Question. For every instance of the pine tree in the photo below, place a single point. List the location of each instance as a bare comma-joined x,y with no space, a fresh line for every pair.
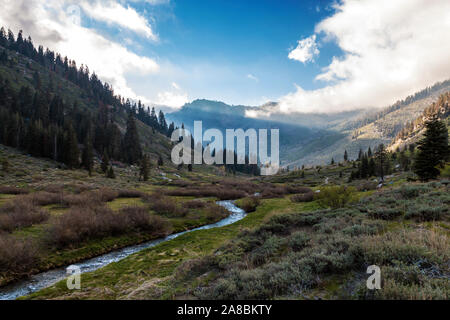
364,173
433,150
162,122
105,162
369,153
372,167
360,154
111,174
88,155
131,142
71,151
381,157
345,155
332,161
160,161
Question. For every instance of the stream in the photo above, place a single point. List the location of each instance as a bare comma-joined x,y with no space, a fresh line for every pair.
46,279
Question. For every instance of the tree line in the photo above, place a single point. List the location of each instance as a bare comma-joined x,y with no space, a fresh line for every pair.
37,119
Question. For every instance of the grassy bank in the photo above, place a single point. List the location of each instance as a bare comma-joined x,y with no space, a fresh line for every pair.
294,250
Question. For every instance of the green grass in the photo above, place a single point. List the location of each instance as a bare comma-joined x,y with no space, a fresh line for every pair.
161,261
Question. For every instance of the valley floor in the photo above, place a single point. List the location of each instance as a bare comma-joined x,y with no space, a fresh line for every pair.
295,243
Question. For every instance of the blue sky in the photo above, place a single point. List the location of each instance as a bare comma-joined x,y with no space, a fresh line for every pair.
307,55
234,51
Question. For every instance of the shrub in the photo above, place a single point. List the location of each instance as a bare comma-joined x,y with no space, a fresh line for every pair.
123,193
167,207
208,191
367,186
44,198
413,191
426,213
215,212
17,256
12,190
19,214
270,247
249,204
194,204
364,229
83,223
299,240
385,213
336,197
305,197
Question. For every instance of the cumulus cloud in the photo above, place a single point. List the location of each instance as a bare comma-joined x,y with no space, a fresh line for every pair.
391,49
172,99
306,50
54,24
114,13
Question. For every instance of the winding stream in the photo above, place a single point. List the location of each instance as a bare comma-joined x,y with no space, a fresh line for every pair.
45,279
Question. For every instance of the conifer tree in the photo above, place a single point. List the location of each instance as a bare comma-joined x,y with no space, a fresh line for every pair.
131,143
111,174
345,155
105,162
381,157
71,151
88,155
433,150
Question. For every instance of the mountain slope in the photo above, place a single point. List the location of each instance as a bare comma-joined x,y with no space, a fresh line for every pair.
368,130
414,130
18,71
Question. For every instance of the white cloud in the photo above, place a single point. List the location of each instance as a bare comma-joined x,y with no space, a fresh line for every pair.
306,50
172,99
50,24
252,77
112,12
391,49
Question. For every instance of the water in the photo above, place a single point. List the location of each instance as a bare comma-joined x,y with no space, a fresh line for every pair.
48,278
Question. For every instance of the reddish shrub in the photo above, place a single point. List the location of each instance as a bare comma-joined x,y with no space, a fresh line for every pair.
194,204
83,223
12,190
21,213
17,256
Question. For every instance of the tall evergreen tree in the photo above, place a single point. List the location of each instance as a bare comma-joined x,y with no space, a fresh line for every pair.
345,155
105,162
381,157
131,142
433,150
71,151
88,155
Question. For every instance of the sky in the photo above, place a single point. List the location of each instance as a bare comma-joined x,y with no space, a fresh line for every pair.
310,56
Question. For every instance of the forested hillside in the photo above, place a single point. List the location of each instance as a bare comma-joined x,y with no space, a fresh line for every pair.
412,131
51,108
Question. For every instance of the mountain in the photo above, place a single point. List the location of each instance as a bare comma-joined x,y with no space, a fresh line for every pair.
219,115
44,97
307,139
413,131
